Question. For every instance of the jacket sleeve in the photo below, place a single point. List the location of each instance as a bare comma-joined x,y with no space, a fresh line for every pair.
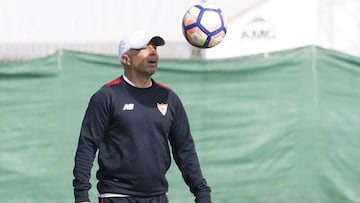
185,156
92,129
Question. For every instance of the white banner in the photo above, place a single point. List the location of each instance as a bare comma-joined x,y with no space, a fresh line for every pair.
282,24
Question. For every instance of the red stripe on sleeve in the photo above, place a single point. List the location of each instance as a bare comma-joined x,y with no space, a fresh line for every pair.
114,82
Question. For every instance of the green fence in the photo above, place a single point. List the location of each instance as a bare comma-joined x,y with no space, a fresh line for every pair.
282,127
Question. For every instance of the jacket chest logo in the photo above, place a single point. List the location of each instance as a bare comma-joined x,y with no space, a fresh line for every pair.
128,107
162,108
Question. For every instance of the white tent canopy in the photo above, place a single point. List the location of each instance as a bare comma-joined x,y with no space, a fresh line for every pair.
36,28
30,29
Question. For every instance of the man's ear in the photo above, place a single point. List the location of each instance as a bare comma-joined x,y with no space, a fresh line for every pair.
125,60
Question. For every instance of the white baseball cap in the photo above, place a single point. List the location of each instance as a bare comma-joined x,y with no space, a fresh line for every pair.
138,40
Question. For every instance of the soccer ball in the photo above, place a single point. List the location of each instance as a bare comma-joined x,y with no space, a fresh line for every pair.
204,26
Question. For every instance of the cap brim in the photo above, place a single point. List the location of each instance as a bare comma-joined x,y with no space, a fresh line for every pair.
157,41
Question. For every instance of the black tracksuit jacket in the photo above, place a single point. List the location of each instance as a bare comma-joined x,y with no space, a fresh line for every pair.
131,128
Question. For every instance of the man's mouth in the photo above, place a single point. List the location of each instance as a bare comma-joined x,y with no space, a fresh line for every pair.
152,61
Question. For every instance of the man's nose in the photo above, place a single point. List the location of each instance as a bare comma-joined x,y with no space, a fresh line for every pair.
152,48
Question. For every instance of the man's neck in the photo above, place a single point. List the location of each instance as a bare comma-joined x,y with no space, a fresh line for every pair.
138,83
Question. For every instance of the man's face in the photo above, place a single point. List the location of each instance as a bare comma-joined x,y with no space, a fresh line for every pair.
143,61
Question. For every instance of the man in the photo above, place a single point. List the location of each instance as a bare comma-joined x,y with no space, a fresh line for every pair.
131,121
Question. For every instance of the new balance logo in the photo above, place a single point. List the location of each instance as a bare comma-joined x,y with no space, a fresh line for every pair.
128,107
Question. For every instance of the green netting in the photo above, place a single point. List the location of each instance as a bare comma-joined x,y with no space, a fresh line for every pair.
281,127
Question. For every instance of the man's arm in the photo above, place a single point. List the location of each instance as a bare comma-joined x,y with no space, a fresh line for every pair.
184,153
92,130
